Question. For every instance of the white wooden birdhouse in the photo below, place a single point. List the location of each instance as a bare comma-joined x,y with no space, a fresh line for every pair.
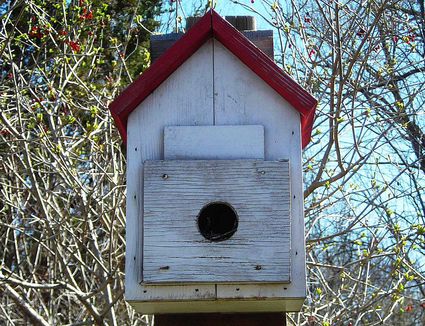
214,132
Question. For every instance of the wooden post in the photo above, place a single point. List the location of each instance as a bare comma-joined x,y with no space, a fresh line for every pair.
191,20
258,319
242,23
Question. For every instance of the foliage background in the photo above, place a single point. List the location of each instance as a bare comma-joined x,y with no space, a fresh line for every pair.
62,165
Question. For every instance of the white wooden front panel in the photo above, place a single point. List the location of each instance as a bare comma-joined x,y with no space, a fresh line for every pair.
212,87
213,142
174,249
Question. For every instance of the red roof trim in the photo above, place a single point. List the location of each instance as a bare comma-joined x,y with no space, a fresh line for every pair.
213,25
163,67
267,70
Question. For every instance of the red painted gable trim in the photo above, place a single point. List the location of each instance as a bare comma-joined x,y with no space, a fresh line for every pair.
159,71
267,70
212,25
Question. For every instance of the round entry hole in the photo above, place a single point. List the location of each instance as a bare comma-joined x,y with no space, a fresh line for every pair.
217,221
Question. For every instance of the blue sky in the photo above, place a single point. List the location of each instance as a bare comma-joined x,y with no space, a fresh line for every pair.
223,7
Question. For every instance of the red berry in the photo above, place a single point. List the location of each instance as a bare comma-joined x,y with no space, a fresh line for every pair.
4,132
74,46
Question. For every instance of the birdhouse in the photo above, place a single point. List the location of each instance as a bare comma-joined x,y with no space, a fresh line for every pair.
214,132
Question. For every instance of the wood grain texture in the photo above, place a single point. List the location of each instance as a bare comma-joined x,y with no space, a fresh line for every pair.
222,306
182,292
174,249
214,142
167,105
236,104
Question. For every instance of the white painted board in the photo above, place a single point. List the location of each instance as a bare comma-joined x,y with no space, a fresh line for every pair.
175,250
224,306
213,142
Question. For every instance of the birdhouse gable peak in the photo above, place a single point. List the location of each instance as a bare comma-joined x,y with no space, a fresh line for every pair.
212,25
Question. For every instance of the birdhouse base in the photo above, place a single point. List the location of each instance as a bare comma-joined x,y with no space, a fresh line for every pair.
222,306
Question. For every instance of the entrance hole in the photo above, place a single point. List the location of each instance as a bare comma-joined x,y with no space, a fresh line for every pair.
217,221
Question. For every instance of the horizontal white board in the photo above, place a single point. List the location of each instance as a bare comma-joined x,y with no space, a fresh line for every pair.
223,306
174,249
213,142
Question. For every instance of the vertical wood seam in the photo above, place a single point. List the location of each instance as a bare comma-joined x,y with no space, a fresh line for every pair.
213,77
141,215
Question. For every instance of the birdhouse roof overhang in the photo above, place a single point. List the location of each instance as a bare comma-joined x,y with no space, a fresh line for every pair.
212,25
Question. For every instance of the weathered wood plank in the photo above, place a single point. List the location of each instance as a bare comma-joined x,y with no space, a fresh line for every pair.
175,192
181,292
161,43
214,142
223,306
242,23
263,40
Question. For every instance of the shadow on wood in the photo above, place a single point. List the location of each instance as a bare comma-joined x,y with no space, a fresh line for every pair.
266,319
